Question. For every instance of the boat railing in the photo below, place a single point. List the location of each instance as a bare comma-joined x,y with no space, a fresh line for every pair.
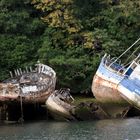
119,68
131,68
116,67
138,59
40,68
19,72
113,64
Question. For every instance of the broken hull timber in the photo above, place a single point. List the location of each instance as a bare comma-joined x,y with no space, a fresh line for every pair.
59,109
26,99
105,89
33,86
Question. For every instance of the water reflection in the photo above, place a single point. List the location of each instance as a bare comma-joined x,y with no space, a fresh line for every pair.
95,130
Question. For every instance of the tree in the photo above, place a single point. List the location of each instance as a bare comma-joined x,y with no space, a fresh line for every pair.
20,31
71,35
81,31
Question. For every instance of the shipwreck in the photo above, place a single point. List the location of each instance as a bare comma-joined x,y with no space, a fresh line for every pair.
59,103
30,85
117,86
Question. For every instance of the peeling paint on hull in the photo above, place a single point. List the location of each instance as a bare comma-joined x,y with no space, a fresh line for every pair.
33,86
59,104
117,86
109,97
13,96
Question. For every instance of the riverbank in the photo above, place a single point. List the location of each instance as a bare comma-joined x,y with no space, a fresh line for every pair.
88,108
85,109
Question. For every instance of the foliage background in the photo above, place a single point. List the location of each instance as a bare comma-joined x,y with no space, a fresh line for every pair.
69,35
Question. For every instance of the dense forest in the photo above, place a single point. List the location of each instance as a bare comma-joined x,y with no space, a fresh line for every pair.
71,36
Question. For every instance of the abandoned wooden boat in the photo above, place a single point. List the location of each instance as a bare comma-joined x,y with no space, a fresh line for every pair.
30,85
117,87
59,104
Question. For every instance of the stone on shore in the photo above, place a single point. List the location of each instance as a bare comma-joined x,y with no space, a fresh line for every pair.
88,110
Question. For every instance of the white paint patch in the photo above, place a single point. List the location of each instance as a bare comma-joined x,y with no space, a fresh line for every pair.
108,75
137,91
56,107
29,89
135,76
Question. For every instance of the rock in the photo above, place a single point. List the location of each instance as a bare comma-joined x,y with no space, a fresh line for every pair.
88,111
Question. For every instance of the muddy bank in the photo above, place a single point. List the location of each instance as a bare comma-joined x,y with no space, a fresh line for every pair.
87,108
15,113
90,109
84,108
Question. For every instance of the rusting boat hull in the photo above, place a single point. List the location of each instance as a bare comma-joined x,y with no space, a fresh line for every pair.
59,105
11,96
109,97
117,87
8,92
36,99
33,86
105,89
57,110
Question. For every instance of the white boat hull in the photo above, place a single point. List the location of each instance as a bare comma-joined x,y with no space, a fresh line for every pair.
59,108
105,89
130,92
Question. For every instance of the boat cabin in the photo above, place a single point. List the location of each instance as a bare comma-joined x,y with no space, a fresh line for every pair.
133,71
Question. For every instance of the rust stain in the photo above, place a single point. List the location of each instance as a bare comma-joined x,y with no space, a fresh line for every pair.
33,86
109,97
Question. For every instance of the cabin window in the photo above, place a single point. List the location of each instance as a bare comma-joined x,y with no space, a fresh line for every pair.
128,73
131,68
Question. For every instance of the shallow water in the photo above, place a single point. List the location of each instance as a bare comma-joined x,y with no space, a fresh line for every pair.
127,129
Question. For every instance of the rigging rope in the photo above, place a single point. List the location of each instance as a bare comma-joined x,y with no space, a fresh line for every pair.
131,55
125,52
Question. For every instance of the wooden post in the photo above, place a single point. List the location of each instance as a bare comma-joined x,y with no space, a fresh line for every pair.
20,71
31,69
11,74
27,69
15,72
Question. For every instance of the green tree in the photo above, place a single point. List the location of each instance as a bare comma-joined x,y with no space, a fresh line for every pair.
69,35
81,31
20,31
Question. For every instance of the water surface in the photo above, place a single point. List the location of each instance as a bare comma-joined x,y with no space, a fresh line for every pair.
127,129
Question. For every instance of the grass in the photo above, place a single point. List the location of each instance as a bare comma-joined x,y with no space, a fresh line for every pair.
79,99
